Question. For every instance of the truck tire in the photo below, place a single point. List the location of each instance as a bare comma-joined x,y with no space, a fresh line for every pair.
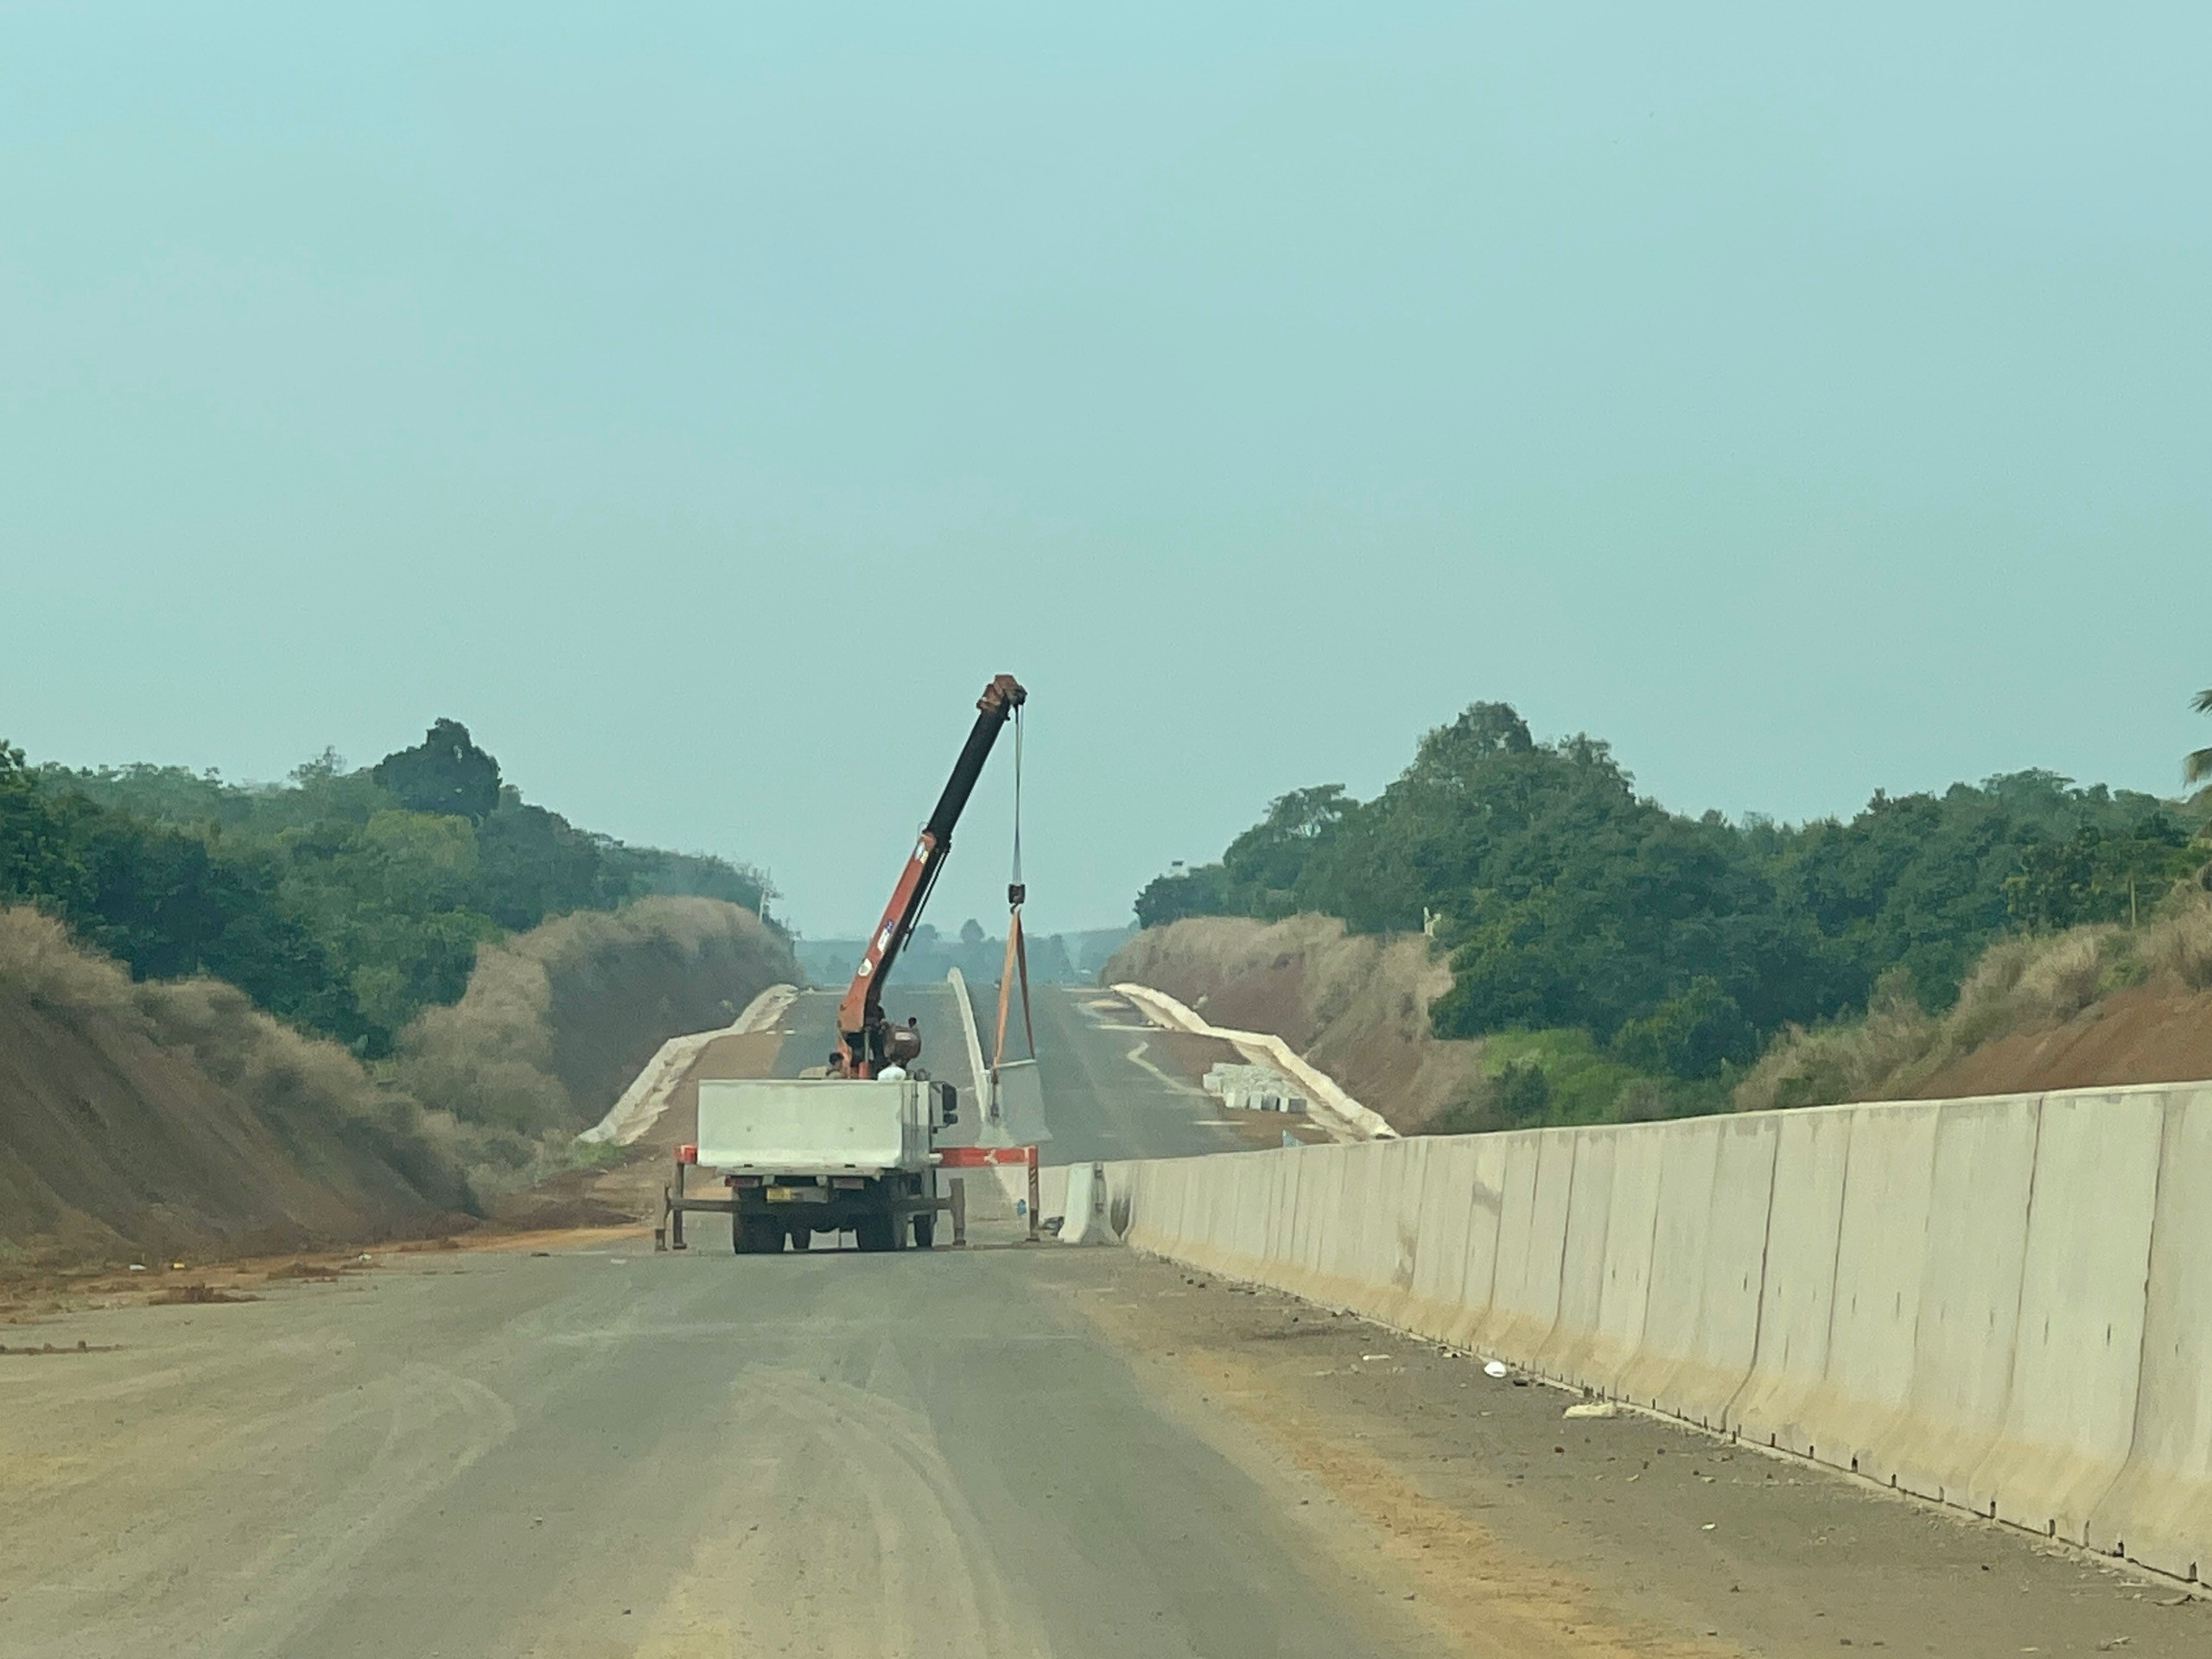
801,1236
924,1231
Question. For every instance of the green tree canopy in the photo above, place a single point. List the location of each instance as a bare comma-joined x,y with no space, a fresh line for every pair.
446,772
2196,764
330,899
1566,900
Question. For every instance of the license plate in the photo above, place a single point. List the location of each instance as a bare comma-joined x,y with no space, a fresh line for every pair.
797,1195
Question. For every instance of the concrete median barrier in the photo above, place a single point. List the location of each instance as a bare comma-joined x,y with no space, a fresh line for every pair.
1582,1258
1688,1163
1624,1298
1996,1303
1796,1297
1443,1242
1964,1335
1084,1218
1881,1248
2160,1509
1485,1224
1516,1208
1715,1361
2068,1412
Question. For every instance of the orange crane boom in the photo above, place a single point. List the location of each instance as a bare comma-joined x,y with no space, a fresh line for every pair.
869,1041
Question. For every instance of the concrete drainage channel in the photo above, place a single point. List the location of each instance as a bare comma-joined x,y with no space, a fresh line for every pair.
1993,1304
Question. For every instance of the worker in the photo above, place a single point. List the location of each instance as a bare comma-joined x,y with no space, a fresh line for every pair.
891,1072
836,1067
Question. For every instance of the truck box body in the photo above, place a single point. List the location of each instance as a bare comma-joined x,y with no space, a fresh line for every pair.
813,1126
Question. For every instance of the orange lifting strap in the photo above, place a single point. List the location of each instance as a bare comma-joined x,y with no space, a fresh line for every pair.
1017,951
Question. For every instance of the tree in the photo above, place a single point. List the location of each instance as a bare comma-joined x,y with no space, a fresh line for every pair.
1263,865
1691,1035
446,774
2196,765
39,859
1170,898
972,931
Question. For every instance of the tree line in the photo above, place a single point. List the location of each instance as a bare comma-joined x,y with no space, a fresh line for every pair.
1678,945
344,900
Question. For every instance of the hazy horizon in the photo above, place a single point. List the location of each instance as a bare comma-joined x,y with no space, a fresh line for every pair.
702,406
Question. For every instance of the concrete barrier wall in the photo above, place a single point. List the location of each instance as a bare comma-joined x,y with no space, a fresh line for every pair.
2004,1304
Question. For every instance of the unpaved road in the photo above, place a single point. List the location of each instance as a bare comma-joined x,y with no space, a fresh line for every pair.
601,1451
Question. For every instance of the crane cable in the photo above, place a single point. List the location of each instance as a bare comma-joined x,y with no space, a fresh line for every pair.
1017,949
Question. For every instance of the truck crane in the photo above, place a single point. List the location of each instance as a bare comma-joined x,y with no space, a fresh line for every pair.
871,1041
853,1151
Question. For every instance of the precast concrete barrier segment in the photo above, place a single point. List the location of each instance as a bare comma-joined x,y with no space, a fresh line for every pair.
1345,1118
648,1095
1999,1303
978,1074
1084,1220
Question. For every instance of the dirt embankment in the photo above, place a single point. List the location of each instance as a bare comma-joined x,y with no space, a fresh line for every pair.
148,1120
557,1021
1355,1004
2098,1006
145,1120
2148,1033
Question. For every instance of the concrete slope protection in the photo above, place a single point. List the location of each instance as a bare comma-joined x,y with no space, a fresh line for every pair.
1356,1004
1344,1117
1995,1303
641,1104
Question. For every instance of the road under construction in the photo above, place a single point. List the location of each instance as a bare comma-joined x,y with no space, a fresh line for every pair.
573,1446
576,1445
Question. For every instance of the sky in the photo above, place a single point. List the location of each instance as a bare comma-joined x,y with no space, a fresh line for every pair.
703,402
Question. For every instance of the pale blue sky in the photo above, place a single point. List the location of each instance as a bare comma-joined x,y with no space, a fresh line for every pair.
702,401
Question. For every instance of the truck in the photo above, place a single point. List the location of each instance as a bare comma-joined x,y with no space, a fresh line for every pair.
852,1151
801,1156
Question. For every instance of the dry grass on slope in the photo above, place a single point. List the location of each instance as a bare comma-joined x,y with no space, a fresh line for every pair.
1356,1004
556,1020
177,1116
2102,1005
